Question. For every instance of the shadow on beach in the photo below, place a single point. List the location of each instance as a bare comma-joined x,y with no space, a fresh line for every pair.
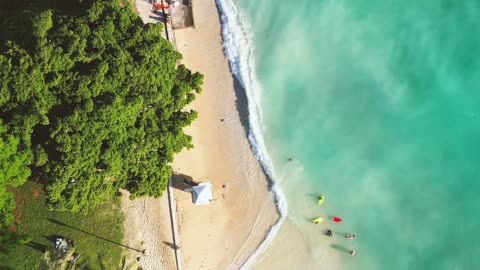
340,248
159,16
241,103
171,245
181,181
314,197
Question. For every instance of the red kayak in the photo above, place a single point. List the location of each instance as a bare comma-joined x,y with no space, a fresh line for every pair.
336,219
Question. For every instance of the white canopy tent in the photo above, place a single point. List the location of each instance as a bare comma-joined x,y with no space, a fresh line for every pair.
202,194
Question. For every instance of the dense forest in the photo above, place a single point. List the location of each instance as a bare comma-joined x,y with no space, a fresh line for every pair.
91,101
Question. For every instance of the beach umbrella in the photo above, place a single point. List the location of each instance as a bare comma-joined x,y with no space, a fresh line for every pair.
202,194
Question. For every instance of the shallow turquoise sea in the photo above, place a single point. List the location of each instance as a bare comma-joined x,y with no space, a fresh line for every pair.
378,103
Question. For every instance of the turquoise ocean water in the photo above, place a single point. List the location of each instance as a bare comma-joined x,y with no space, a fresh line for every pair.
378,103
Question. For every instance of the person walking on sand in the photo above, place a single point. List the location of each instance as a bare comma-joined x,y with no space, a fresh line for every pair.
350,236
329,233
352,252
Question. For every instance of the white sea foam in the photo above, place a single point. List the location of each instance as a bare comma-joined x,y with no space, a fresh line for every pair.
238,48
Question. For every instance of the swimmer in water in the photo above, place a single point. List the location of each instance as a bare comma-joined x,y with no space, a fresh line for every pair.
350,236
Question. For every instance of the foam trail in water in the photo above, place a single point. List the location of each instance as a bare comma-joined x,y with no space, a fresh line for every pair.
238,48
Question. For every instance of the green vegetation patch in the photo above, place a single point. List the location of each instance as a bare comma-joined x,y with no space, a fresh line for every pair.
97,235
95,99
92,100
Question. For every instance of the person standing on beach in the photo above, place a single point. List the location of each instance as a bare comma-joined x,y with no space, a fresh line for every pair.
352,252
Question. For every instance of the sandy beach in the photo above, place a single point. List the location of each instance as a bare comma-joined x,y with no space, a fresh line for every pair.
224,234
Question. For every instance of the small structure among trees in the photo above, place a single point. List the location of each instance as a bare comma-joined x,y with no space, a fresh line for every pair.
62,257
181,12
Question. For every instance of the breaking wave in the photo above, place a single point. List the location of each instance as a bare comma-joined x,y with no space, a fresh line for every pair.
238,48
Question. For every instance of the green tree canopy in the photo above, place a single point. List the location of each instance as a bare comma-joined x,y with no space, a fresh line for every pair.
13,172
99,100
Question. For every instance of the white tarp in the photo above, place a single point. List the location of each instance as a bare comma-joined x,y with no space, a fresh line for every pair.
202,194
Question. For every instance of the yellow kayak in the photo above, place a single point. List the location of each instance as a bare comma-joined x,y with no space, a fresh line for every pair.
321,199
317,220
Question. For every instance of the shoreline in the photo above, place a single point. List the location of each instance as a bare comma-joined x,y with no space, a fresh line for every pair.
220,131
238,48
229,232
